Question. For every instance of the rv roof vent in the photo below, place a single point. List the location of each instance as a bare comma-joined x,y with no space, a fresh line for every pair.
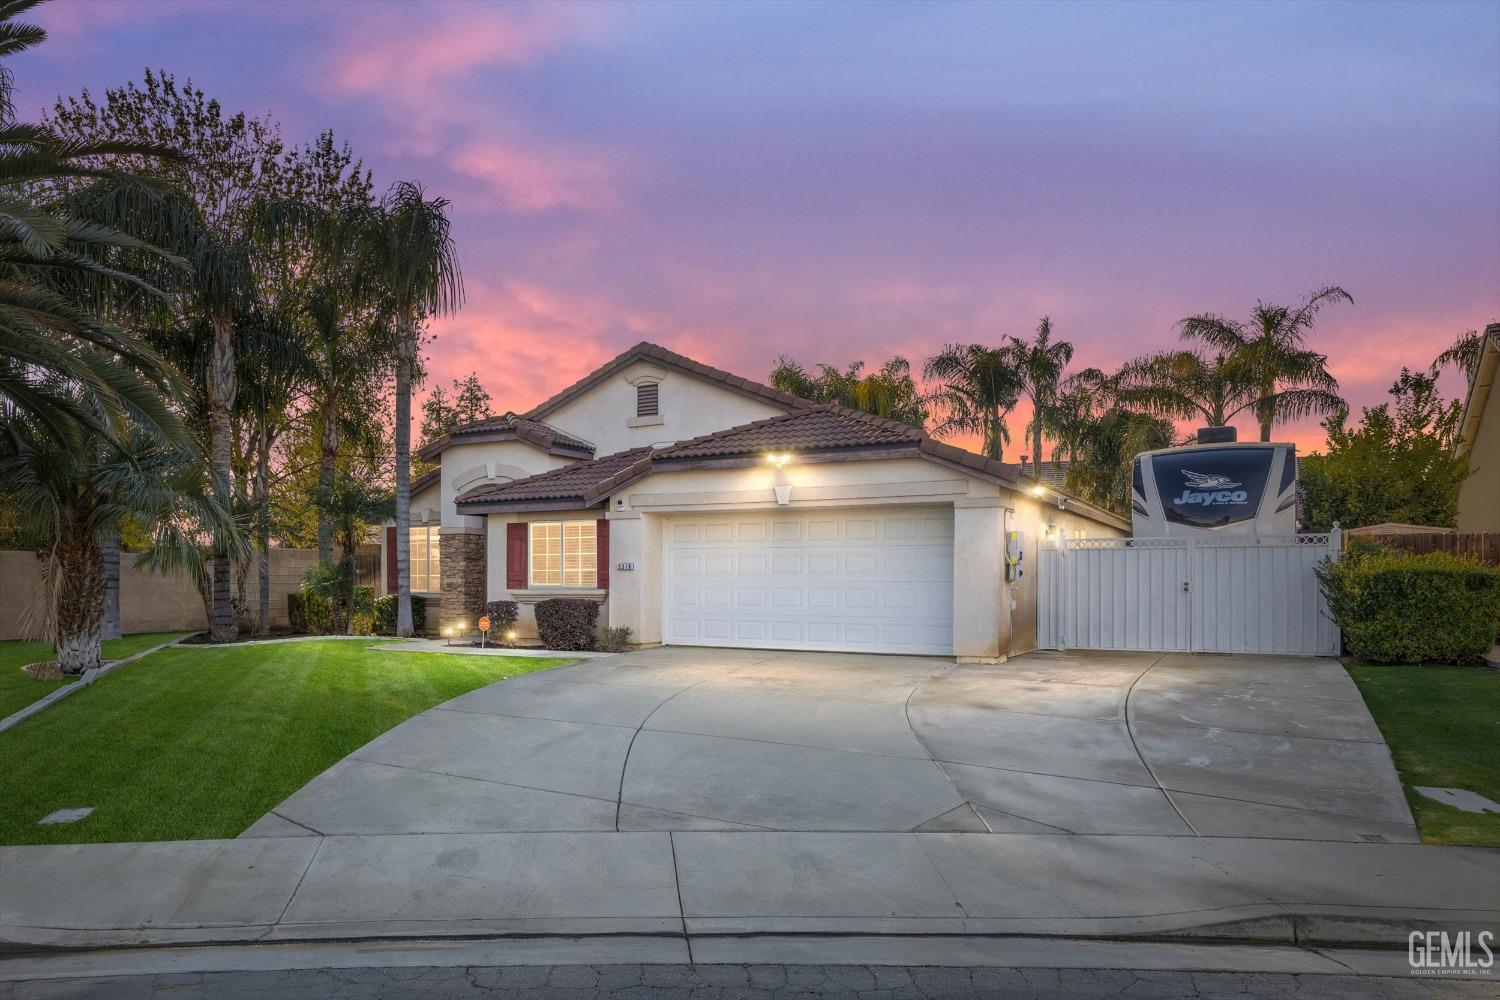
1217,435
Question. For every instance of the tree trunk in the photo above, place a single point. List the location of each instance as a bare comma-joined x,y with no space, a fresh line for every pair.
263,528
406,356
329,445
109,543
1036,451
80,600
222,625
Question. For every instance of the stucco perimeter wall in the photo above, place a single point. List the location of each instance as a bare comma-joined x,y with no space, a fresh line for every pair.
604,415
150,602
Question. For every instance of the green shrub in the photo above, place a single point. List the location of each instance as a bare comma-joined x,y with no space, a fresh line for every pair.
616,640
385,614
567,622
363,623
1403,607
503,616
296,612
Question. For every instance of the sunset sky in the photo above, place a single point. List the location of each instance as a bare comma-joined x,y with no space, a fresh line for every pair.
842,181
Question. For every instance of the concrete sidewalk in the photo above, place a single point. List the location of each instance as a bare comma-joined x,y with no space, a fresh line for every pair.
709,884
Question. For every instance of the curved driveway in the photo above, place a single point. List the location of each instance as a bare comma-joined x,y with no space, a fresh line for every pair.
704,739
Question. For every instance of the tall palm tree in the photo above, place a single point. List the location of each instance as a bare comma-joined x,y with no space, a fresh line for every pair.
416,262
889,392
978,387
1291,381
61,362
1040,364
1189,385
66,493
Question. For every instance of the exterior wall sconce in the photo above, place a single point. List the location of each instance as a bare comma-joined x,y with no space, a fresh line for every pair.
783,489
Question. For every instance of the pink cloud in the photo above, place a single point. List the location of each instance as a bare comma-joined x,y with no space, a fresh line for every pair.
538,179
393,56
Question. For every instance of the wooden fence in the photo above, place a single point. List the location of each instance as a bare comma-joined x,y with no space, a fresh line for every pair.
1484,544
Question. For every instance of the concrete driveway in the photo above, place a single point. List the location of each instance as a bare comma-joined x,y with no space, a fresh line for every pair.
742,740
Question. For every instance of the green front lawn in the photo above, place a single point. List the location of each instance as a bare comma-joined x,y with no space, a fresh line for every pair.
18,690
200,742
1443,727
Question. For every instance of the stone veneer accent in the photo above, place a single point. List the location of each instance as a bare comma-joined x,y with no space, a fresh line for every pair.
464,580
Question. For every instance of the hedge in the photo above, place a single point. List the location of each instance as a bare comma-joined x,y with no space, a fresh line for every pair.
503,616
311,611
385,614
1403,607
567,622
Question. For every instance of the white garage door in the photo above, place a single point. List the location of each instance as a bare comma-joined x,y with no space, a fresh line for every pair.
843,579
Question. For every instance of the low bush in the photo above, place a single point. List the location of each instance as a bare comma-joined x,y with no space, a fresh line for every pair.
1403,607
616,640
363,623
503,616
567,623
296,612
385,614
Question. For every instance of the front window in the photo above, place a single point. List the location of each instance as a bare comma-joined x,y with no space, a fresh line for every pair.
426,576
564,554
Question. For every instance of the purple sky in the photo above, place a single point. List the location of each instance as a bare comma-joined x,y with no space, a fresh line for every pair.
849,181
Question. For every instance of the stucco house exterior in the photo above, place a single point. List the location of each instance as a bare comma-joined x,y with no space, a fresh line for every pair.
1479,439
702,508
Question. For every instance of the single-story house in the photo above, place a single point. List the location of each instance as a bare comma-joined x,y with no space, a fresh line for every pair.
702,508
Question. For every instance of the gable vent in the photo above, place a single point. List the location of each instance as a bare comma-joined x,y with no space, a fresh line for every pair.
647,399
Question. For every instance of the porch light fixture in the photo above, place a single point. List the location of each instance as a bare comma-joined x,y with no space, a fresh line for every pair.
1038,490
779,459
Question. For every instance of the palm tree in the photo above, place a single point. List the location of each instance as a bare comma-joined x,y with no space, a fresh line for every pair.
1040,365
66,493
1463,354
1291,381
61,363
1189,385
890,392
417,264
978,387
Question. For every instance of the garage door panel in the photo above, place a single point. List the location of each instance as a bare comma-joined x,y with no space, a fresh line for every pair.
870,580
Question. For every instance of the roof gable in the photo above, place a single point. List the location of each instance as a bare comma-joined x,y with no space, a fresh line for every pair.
658,355
512,427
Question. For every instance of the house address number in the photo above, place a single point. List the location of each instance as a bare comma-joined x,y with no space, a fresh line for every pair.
625,566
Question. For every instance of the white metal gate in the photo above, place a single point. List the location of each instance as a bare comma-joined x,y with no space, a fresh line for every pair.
1217,594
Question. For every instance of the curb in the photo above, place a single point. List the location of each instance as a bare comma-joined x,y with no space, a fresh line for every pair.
1301,927
88,677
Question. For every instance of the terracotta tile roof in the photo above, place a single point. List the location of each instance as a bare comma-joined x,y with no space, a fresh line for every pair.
512,426
571,482
818,427
1054,473
645,351
425,480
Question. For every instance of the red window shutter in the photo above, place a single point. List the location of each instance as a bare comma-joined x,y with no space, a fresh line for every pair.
515,556
392,581
602,554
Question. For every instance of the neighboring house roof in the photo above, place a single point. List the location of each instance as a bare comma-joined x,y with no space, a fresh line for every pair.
426,479
1054,473
1480,389
818,429
558,489
512,427
645,351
